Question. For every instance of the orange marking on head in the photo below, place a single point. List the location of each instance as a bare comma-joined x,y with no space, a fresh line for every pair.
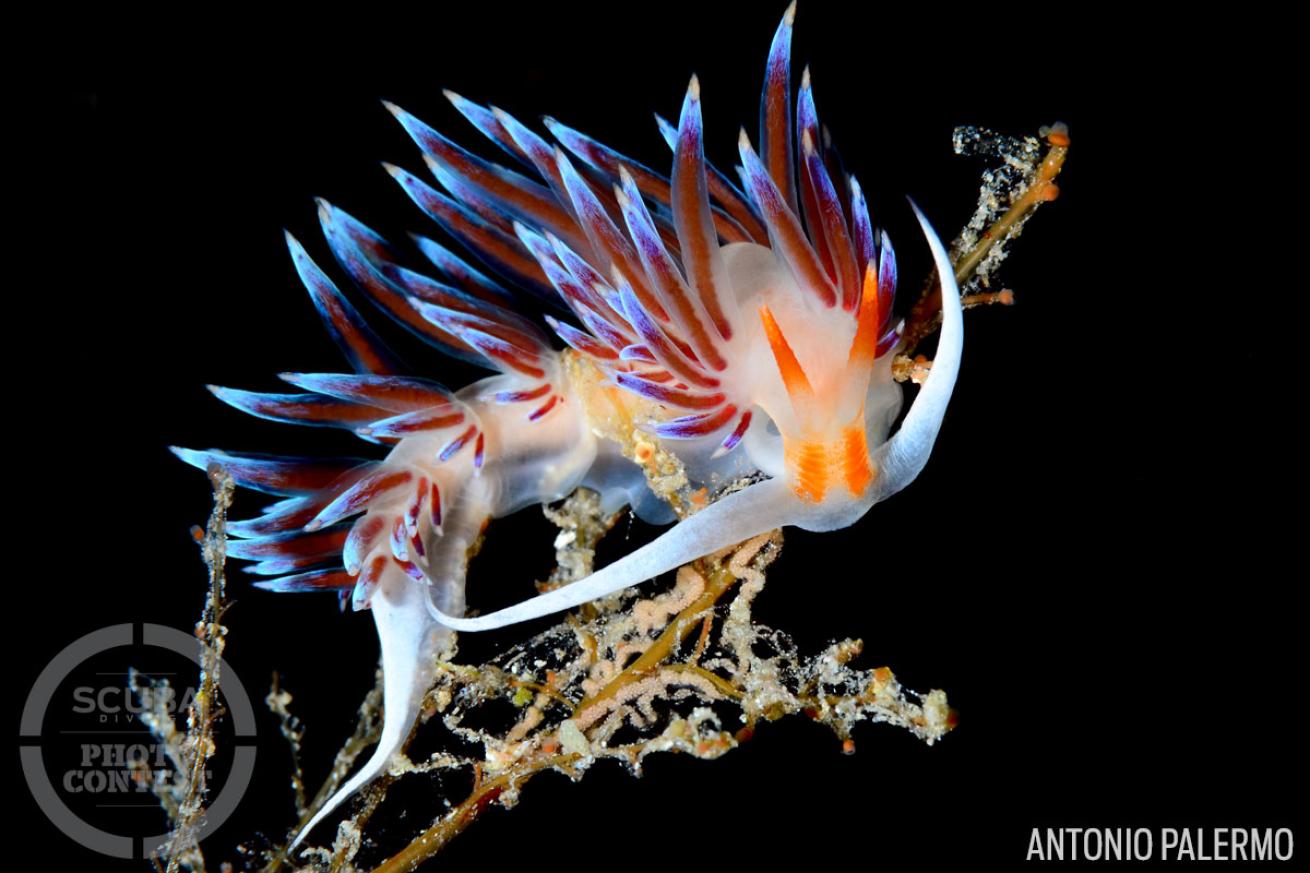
856,465
816,466
793,375
807,461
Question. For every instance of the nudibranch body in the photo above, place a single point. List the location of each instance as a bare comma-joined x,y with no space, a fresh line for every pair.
745,329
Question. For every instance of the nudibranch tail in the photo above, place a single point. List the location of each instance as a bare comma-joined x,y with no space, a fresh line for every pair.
410,642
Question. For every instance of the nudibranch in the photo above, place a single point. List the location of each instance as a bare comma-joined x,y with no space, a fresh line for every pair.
748,328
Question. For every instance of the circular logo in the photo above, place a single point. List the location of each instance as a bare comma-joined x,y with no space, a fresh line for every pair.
102,754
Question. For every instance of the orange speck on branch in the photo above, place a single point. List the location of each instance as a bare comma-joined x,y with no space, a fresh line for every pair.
925,314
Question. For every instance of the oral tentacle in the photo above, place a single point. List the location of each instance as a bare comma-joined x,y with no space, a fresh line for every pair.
737,517
902,457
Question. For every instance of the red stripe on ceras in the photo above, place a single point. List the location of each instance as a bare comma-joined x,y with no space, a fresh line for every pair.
544,408
456,444
690,203
696,425
415,508
483,238
363,534
664,273
667,394
359,495
733,438
368,581
837,239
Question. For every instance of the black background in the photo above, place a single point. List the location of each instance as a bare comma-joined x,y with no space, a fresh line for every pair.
1086,565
